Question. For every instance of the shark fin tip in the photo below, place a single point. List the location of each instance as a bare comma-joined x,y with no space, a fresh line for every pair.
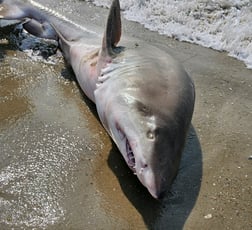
113,29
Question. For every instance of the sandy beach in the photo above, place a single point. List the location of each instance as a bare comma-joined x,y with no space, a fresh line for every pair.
60,170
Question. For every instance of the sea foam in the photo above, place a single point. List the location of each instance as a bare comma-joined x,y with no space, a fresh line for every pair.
224,25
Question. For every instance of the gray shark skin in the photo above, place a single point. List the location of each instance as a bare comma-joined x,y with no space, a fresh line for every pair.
144,98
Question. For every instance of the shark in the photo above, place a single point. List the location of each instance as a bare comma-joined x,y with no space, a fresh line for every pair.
143,96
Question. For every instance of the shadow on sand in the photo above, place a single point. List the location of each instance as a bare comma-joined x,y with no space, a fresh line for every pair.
173,211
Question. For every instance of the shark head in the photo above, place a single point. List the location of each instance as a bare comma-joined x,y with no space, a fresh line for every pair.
142,122
146,141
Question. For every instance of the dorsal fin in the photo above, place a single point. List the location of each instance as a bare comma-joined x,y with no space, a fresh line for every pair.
113,29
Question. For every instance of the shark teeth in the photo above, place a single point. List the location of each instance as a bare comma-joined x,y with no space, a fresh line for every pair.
130,155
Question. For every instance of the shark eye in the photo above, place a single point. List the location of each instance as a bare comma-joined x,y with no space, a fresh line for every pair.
145,110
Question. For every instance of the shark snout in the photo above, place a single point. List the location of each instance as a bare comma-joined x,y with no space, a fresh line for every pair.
157,191
152,182
160,194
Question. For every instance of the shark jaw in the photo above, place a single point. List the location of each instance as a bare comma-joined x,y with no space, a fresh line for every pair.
138,164
126,148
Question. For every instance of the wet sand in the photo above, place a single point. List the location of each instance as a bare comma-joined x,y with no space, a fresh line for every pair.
60,170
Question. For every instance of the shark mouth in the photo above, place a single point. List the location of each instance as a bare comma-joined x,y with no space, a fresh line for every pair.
129,152
130,155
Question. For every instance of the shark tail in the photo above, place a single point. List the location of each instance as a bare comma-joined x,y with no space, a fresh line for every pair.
32,19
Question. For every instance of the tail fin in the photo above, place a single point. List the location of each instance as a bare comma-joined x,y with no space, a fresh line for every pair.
33,20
